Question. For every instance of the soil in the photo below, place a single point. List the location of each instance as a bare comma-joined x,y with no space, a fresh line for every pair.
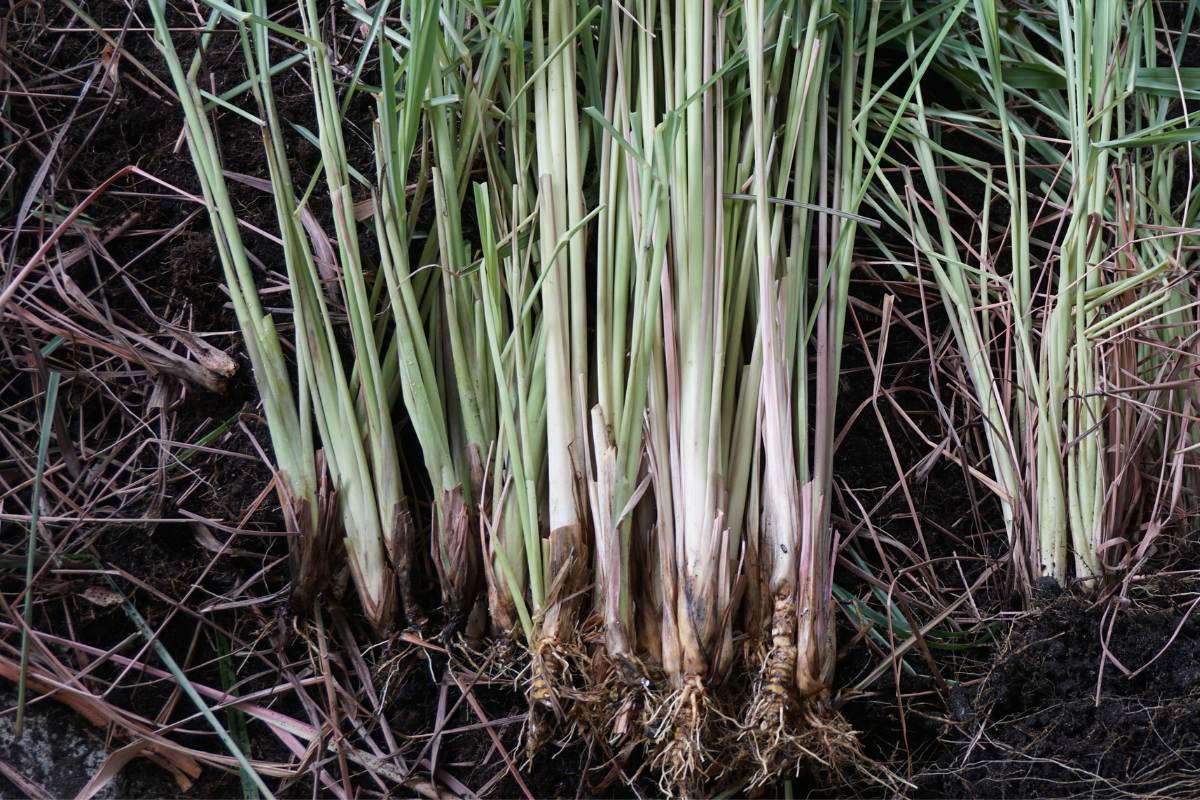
1072,707
1014,714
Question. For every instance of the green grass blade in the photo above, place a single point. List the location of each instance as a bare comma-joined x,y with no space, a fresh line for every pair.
34,514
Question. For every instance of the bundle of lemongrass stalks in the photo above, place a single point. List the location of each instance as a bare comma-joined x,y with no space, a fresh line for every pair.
610,258
1075,314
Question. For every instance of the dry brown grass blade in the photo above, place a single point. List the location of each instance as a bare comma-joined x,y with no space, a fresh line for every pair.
23,784
489,729
912,641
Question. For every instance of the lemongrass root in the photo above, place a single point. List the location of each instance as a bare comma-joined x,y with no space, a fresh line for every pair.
619,697
832,747
772,733
552,694
543,703
787,731
686,738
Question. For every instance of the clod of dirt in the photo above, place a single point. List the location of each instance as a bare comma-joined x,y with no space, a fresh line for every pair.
1038,730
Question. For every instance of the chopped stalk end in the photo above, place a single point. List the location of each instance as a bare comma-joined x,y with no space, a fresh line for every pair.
457,559
315,559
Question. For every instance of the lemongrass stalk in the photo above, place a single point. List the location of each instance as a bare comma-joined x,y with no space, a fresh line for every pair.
518,470
457,141
853,176
696,378
1066,435
690,462
321,379
364,461
629,264
1090,86
450,434
560,208
516,347
289,425
1005,427
1035,516
507,290
814,637
471,375
781,510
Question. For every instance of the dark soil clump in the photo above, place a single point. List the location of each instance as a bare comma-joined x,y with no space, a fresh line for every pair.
1079,703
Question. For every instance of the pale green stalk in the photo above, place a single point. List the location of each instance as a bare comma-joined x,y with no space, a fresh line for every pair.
519,467
560,209
449,431
631,253
357,431
290,428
